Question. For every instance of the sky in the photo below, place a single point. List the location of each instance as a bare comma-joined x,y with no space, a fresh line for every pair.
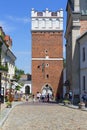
15,19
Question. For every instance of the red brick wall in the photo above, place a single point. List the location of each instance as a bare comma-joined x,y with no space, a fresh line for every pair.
52,43
47,41
83,26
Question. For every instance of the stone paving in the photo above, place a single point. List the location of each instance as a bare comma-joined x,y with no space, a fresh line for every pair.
43,116
4,112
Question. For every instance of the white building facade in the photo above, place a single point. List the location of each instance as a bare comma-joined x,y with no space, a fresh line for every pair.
7,62
76,26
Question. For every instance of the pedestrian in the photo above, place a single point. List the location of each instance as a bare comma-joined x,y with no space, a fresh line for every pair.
84,97
38,96
33,98
70,96
48,97
27,98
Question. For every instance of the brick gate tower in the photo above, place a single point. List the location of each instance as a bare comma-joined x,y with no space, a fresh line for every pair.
47,52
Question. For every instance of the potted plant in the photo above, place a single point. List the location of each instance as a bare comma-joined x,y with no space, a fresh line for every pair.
9,102
66,102
81,105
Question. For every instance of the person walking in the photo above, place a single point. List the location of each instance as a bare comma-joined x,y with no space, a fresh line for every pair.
33,98
27,97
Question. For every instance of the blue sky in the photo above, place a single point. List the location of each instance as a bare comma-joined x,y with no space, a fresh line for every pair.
15,18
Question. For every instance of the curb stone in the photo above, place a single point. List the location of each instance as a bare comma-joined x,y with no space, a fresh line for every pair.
73,107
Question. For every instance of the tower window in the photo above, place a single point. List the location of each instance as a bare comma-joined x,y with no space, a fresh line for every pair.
47,65
47,76
38,66
46,51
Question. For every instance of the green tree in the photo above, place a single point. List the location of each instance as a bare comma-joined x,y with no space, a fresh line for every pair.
17,87
18,73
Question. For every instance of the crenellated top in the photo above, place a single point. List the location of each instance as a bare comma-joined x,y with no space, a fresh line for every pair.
47,13
47,20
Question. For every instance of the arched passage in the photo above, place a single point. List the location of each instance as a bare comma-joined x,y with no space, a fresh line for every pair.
27,89
47,89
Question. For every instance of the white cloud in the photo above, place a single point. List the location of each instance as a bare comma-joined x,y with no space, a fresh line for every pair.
6,27
18,19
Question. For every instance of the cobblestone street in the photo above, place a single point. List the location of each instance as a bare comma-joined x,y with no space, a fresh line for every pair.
35,116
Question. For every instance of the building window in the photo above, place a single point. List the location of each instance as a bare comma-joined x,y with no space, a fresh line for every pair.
46,51
47,76
83,54
83,82
47,65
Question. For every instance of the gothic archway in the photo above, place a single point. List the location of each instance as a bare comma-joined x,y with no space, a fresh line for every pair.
47,89
27,89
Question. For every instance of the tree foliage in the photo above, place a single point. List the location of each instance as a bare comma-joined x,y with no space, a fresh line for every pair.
17,87
18,73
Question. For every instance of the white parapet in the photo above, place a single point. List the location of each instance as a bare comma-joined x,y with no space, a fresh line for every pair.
47,20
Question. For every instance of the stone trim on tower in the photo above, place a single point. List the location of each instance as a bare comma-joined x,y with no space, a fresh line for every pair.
47,20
